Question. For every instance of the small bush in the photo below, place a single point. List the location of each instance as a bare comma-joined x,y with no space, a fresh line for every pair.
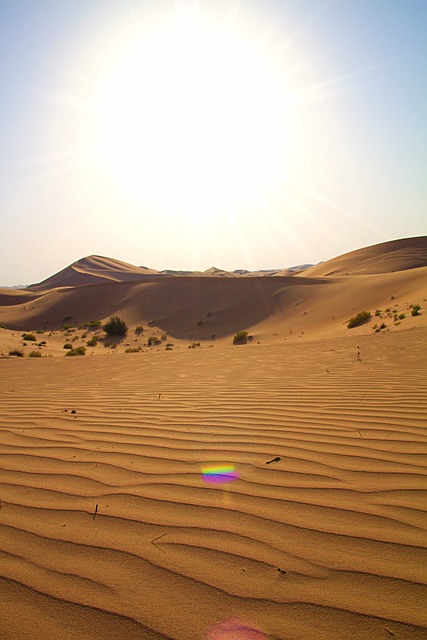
39,331
240,336
401,316
16,352
92,342
30,337
94,324
78,351
361,318
131,350
139,329
3,326
115,327
35,354
415,310
66,327
194,345
199,323
153,340
67,345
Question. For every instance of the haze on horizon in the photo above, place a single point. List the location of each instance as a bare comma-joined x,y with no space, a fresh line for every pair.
185,134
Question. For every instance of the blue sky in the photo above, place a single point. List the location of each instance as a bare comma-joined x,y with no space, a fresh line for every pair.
111,143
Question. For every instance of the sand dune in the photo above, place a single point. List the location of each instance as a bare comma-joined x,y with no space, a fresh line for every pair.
92,270
113,521
396,255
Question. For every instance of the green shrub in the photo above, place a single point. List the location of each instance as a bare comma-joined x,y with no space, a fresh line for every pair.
153,340
16,352
92,342
78,351
361,318
30,337
401,316
94,324
131,350
415,310
66,327
115,327
35,354
240,336
67,345
139,329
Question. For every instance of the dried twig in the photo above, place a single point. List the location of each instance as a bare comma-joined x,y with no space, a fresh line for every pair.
153,542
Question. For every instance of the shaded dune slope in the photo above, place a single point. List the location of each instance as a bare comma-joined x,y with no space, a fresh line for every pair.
224,305
325,543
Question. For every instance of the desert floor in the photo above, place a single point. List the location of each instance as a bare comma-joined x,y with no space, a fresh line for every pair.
109,529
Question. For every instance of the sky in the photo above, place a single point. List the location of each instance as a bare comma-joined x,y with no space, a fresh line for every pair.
182,134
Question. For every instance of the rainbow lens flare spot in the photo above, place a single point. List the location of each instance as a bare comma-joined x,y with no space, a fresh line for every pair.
219,474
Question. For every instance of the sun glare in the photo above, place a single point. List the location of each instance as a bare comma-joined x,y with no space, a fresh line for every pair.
193,118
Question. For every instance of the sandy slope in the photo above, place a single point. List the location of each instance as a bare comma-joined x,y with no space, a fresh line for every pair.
396,255
341,514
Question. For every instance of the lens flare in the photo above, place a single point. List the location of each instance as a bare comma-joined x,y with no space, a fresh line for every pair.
219,474
235,629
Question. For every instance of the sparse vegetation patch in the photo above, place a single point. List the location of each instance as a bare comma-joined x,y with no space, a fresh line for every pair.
16,352
78,351
30,337
361,318
115,327
240,337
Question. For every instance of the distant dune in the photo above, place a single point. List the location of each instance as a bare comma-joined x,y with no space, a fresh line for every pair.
312,303
92,270
397,255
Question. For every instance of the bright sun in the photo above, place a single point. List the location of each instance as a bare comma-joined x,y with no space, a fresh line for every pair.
193,118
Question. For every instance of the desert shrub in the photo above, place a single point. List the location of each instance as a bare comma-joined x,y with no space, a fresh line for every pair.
39,331
65,327
3,326
94,324
78,351
35,354
67,345
401,316
383,326
115,327
92,342
131,350
240,336
30,337
194,345
415,310
153,340
378,312
361,318
139,329
16,352
199,323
